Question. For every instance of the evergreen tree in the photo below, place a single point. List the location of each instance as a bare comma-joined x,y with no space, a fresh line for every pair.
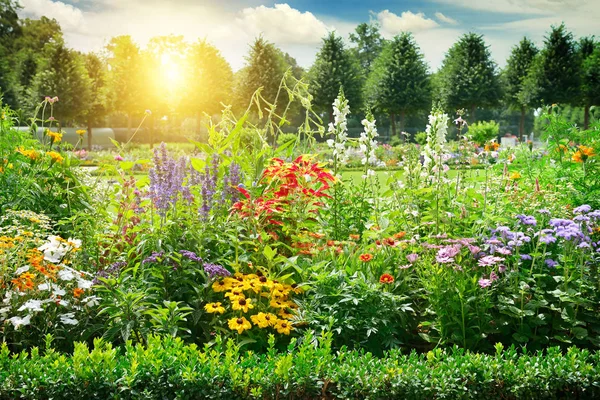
334,68
399,82
517,68
97,107
590,79
369,44
468,77
265,67
10,30
557,72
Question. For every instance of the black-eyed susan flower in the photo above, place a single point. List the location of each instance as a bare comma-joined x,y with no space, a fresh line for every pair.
239,324
283,326
213,308
242,304
264,320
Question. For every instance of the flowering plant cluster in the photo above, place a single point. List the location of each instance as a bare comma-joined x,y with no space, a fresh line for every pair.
252,300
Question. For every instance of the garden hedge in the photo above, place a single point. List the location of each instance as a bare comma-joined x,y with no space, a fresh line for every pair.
167,368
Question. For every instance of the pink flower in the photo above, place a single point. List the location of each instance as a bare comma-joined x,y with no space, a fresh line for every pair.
485,283
412,258
118,158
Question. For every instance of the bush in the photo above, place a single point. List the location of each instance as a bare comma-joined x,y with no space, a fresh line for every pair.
484,131
167,368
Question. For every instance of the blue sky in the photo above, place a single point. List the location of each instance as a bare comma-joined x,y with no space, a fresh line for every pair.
297,26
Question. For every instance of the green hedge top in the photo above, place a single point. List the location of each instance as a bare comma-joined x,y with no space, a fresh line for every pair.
166,368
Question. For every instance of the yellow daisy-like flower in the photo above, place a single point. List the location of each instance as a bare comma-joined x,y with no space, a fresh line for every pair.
235,294
31,154
515,175
56,157
264,320
221,286
264,281
239,324
276,303
285,314
214,308
283,326
54,136
80,132
242,304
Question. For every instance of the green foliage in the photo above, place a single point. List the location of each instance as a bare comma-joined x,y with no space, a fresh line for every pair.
468,78
399,83
590,81
167,368
369,43
483,131
124,78
557,70
333,69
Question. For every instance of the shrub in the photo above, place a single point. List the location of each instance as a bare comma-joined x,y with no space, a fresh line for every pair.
482,131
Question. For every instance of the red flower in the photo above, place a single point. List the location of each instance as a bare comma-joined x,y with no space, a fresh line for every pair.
386,278
366,257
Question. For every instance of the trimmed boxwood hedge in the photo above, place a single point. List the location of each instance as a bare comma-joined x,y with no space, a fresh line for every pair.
167,368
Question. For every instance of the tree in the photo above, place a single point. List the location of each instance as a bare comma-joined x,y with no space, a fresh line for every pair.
590,80
10,30
468,77
369,44
517,68
124,77
335,67
62,73
265,67
210,80
97,107
399,81
557,71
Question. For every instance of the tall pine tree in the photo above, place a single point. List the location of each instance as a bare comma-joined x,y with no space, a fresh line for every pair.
399,82
590,77
557,71
517,68
334,68
468,77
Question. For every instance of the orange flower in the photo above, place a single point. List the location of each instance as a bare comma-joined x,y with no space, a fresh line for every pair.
366,257
386,278
583,154
399,235
77,292
354,237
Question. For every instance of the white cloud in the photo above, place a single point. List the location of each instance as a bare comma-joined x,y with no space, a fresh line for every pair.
393,24
283,24
70,18
443,18
519,6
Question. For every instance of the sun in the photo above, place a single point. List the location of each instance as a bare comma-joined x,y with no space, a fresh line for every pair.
170,69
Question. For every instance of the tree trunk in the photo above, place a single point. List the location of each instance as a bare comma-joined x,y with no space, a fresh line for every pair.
402,119
473,108
393,120
586,116
522,124
89,135
128,126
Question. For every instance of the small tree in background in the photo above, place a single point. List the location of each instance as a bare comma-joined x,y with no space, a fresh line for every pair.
517,68
468,77
369,44
590,77
333,69
97,107
399,82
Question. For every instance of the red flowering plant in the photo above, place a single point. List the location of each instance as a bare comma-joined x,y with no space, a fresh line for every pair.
286,201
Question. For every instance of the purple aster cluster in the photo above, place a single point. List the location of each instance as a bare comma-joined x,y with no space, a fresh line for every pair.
154,257
209,185
214,270
446,254
110,272
527,219
230,181
190,255
568,230
167,179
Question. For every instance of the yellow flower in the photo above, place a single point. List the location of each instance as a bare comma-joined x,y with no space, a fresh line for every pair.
283,313
80,132
515,175
214,308
235,294
32,154
221,286
54,136
55,156
242,304
275,303
239,324
283,326
264,320
583,154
